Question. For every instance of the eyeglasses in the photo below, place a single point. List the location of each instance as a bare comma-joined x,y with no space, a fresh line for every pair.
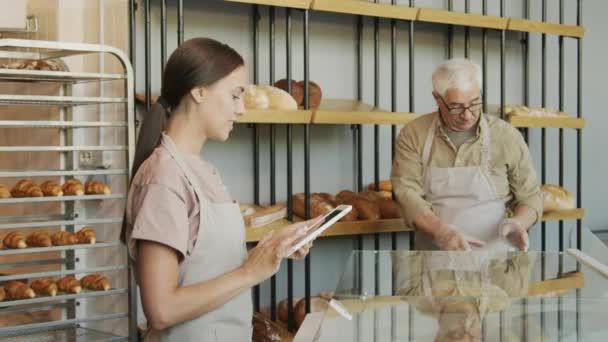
474,108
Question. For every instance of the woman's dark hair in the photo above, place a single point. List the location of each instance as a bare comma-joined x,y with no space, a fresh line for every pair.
198,62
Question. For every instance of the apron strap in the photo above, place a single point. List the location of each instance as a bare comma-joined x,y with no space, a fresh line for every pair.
485,143
426,152
189,177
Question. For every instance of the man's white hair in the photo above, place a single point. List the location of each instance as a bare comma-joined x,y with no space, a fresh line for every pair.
457,73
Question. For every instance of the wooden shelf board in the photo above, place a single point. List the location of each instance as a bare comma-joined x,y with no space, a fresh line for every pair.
564,215
355,112
366,8
302,4
546,122
277,116
464,19
339,229
523,25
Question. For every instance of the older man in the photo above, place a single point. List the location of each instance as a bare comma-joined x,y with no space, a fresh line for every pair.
457,171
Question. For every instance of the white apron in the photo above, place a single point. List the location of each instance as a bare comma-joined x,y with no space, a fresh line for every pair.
220,248
464,197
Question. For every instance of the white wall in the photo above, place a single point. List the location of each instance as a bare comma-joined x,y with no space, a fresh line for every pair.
333,66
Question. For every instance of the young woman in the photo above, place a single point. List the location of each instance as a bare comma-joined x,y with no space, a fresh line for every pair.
184,234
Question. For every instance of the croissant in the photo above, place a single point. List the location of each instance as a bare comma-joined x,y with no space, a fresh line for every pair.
4,192
39,239
73,187
86,235
64,238
45,287
18,290
69,284
26,188
96,188
2,294
95,282
14,240
51,188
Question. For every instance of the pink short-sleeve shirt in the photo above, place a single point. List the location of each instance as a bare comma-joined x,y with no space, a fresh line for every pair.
161,204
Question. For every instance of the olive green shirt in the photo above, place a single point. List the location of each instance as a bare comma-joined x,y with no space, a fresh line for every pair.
511,167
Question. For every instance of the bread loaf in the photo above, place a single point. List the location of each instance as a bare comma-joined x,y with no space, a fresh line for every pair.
345,195
73,187
268,98
95,282
96,188
389,209
14,240
266,216
4,192
283,309
26,188
264,330
297,91
529,111
51,188
69,284
315,94
318,206
45,287
16,290
86,236
329,198
39,239
556,198
368,210
64,239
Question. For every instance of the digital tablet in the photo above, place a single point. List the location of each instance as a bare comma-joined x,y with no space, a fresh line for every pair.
325,222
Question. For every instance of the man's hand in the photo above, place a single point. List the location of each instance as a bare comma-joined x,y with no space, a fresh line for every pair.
447,238
513,231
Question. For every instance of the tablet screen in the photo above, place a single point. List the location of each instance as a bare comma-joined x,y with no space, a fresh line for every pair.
320,225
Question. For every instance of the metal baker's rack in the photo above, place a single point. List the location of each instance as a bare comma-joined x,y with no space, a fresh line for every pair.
78,158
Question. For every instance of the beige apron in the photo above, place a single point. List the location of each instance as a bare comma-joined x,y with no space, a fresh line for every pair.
220,248
464,197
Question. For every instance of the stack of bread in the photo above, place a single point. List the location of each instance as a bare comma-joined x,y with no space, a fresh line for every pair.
20,289
15,240
72,187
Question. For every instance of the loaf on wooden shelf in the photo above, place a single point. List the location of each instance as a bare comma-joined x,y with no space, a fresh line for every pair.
530,111
86,236
16,290
69,284
73,187
556,198
32,64
39,239
315,94
389,209
297,90
268,98
45,287
265,216
264,330
318,206
64,239
4,191
51,188
96,188
95,282
26,188
14,240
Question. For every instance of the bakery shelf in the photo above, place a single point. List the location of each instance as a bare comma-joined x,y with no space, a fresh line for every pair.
59,124
58,173
42,49
523,25
55,76
73,334
62,198
63,273
57,298
564,215
61,148
301,4
277,116
338,229
463,19
546,122
63,101
365,8
70,326
60,223
356,112
6,251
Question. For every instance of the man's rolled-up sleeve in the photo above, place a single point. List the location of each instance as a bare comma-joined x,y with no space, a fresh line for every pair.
406,176
523,181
